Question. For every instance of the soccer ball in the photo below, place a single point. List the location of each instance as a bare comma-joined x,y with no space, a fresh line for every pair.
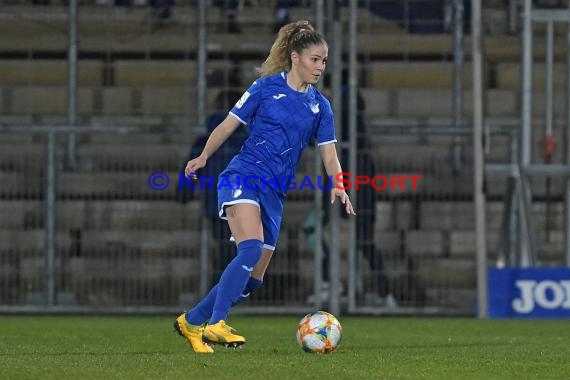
319,332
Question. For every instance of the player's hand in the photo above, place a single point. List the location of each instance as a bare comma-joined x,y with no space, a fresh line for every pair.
193,165
343,199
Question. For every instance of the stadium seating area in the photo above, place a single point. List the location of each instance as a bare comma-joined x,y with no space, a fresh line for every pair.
136,70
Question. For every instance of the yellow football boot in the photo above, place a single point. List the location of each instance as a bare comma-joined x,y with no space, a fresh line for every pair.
221,333
193,335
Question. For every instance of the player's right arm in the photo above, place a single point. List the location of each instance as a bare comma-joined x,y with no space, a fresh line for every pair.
241,113
218,136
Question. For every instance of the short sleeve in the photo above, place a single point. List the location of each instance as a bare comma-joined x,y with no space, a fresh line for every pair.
325,133
245,108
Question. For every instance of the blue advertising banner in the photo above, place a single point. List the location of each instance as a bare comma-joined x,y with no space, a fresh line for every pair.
529,292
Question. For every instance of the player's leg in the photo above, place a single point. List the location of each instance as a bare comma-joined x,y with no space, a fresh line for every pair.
271,216
198,315
256,279
245,223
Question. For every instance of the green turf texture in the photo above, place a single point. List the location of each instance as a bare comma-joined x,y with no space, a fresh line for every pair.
111,347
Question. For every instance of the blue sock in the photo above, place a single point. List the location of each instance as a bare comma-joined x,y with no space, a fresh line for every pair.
252,284
235,277
202,312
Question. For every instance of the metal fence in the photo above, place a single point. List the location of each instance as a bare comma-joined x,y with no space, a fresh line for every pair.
99,238
82,230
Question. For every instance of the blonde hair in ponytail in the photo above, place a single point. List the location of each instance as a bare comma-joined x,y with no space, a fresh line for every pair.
294,36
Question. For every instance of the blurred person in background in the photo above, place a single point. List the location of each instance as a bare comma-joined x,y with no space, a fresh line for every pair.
220,229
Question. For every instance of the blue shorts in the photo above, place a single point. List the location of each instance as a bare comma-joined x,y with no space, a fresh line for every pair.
235,188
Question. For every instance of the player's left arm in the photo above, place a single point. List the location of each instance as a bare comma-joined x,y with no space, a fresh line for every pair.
333,168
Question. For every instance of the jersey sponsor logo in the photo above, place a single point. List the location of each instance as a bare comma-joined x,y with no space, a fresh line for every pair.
242,100
279,96
315,107
237,193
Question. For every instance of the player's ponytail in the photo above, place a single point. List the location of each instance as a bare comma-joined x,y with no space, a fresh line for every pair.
294,36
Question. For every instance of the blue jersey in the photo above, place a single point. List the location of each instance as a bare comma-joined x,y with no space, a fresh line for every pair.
282,122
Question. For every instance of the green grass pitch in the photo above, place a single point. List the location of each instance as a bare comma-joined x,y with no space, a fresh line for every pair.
111,347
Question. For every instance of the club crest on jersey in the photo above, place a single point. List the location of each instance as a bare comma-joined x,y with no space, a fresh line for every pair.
315,107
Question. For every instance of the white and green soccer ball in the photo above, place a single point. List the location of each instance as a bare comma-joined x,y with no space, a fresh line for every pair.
319,332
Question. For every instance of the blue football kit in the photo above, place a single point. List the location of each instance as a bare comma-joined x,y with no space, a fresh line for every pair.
282,122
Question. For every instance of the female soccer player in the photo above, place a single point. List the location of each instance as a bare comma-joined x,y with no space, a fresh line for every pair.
284,112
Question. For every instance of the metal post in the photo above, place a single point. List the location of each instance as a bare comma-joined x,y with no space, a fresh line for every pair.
549,76
548,119
526,118
513,16
318,259
72,83
50,221
567,146
319,15
509,223
458,60
480,222
201,110
353,133
457,100
202,58
526,108
336,61
514,241
204,283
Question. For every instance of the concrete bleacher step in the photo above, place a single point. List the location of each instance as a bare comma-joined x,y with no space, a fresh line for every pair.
48,72
460,299
131,21
21,214
29,240
538,186
31,159
142,101
462,244
140,32
113,185
498,48
45,100
146,132
414,100
85,269
26,158
457,215
21,185
509,75
154,73
415,74
143,240
449,273
134,157
126,215
425,243
157,100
